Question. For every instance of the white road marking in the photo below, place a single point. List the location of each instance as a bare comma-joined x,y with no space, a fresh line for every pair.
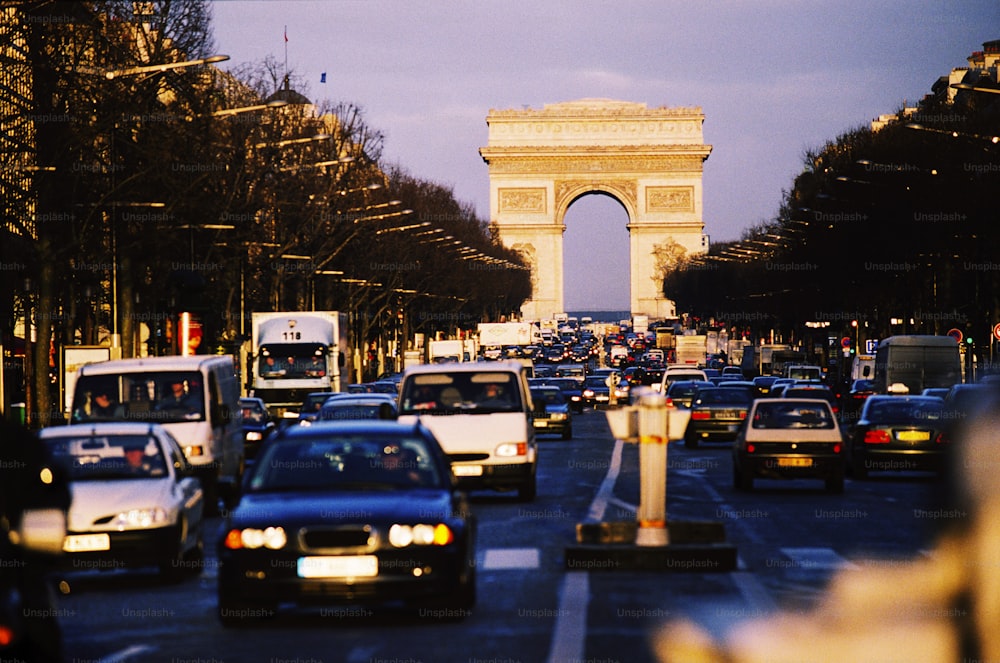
570,634
824,559
128,653
511,558
605,492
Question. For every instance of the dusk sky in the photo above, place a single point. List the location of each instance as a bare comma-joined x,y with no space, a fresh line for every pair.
774,78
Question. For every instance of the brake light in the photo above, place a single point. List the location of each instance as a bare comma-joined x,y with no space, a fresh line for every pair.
836,448
751,448
743,414
877,437
701,415
941,438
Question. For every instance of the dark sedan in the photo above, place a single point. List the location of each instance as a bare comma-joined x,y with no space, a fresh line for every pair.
257,425
552,413
682,392
348,513
716,414
571,389
357,407
899,433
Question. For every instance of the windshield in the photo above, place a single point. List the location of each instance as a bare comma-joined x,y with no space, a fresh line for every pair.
96,457
161,397
492,391
346,462
292,361
899,411
793,415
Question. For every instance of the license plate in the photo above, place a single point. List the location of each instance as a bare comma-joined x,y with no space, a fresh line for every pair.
86,542
356,566
913,436
795,462
467,470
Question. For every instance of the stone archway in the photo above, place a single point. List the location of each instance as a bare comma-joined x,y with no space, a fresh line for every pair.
650,160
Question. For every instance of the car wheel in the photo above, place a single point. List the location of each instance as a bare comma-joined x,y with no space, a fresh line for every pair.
835,484
742,481
859,471
527,491
173,568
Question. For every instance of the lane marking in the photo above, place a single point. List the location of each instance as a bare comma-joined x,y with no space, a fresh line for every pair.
606,490
127,653
511,558
824,559
570,634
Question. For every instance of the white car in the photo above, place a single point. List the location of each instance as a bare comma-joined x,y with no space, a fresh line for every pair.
136,501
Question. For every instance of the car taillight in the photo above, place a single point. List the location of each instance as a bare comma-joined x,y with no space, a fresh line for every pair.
697,414
941,438
836,448
751,448
743,414
877,437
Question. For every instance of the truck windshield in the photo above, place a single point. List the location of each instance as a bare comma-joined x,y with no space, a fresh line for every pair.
469,393
291,361
161,397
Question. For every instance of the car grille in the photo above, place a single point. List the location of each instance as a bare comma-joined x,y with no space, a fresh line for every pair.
460,458
322,538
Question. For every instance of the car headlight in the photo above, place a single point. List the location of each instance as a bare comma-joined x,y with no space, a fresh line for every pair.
141,518
252,538
422,534
588,393
254,436
558,416
508,449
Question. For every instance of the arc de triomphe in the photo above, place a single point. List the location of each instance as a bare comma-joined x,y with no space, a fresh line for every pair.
650,160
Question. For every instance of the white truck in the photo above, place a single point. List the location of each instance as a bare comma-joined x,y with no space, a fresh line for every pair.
295,353
504,333
640,324
451,350
691,349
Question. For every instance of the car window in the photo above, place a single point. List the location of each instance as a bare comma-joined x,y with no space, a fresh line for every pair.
792,415
725,396
902,411
346,462
104,457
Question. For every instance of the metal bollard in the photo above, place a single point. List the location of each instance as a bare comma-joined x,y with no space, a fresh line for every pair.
652,512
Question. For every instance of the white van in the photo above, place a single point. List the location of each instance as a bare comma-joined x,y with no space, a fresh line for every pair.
483,417
196,398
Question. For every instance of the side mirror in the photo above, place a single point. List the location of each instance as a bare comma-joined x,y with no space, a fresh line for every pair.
41,530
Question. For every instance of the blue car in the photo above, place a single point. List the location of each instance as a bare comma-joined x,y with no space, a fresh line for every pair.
348,513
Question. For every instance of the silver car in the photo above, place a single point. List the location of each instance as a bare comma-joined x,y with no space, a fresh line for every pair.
136,501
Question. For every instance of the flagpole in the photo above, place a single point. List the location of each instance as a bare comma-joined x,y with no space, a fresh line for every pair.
286,56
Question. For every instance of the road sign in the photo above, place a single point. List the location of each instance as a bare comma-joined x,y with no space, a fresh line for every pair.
956,334
996,331
845,342
871,345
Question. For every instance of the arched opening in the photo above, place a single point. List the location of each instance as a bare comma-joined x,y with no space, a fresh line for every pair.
596,255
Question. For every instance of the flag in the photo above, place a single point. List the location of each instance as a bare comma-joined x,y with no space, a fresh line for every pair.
322,77
286,34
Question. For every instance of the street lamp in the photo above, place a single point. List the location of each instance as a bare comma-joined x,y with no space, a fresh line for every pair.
294,141
152,68
228,112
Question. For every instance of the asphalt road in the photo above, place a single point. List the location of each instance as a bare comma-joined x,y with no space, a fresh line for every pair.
789,536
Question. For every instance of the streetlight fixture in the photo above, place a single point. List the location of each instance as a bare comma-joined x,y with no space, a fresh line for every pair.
228,112
396,229
153,68
294,141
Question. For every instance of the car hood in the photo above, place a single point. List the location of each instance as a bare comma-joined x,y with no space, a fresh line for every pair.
470,431
309,507
93,500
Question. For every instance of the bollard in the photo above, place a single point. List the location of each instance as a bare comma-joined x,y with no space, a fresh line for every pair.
652,512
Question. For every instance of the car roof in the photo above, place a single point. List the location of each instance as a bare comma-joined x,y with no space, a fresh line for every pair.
103,428
352,427
360,399
466,367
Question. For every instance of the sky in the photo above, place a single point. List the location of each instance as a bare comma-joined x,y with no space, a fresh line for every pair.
774,78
